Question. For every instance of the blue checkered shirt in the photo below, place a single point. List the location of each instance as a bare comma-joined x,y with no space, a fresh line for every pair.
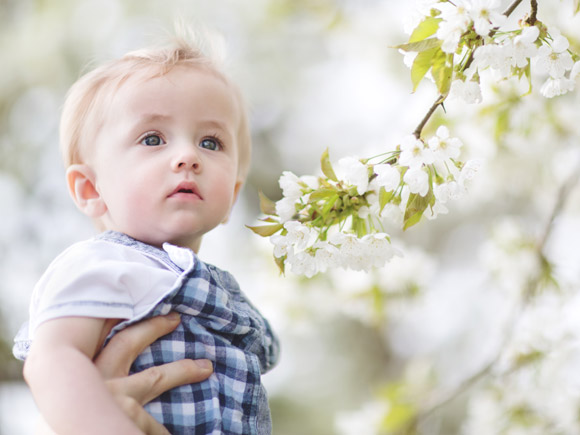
217,323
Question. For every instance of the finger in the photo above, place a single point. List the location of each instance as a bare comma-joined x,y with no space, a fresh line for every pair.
117,356
148,384
141,418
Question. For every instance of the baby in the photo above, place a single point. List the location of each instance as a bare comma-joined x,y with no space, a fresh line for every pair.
157,147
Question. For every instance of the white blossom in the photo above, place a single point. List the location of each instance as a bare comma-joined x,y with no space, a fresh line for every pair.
378,249
553,87
455,22
353,172
555,59
435,210
445,191
417,180
387,176
443,146
470,168
290,185
575,70
524,47
414,153
302,263
281,245
286,208
497,57
468,90
393,213
486,15
326,256
298,237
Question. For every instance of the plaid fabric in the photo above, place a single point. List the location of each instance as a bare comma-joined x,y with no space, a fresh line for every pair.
220,324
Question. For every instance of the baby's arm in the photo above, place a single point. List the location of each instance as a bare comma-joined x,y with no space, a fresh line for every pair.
68,389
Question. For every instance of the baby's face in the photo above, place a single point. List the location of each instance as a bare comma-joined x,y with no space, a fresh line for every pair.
166,157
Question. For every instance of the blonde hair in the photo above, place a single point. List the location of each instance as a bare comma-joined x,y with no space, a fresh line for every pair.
86,101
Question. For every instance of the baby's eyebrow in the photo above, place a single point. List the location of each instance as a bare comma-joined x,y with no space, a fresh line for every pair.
148,117
212,123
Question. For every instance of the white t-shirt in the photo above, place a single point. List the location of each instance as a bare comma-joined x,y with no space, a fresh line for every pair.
103,279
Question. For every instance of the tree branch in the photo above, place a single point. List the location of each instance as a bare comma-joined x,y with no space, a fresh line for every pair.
441,98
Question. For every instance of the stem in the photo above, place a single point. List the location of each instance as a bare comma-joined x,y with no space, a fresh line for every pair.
513,6
437,103
441,98
533,14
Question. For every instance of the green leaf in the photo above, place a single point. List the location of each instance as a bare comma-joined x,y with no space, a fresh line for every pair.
359,226
319,194
420,46
426,28
442,71
421,65
328,206
267,206
576,6
326,166
415,208
280,262
266,230
384,198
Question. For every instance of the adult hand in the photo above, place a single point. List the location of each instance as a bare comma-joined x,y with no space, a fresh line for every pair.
132,392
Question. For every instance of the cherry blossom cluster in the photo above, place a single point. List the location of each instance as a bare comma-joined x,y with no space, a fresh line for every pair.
339,219
457,41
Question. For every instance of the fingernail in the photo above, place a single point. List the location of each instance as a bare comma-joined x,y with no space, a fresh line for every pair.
173,316
204,364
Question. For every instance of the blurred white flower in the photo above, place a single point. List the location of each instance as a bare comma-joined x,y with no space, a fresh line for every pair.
468,90
555,60
353,172
299,235
468,171
435,210
455,22
378,249
302,263
443,146
524,47
417,180
414,153
281,245
393,213
497,57
575,70
553,87
445,191
290,185
387,176
486,15
366,420
286,208
326,256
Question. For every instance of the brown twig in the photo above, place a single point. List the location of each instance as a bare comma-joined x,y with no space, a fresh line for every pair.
441,98
533,14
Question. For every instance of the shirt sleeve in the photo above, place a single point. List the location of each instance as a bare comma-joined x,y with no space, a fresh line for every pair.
90,279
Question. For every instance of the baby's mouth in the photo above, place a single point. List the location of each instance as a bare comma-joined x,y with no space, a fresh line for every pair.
186,188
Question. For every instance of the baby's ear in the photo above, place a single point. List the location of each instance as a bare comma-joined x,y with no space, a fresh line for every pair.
81,182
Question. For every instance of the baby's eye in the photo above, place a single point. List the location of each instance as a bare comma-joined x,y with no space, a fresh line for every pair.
211,144
152,140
